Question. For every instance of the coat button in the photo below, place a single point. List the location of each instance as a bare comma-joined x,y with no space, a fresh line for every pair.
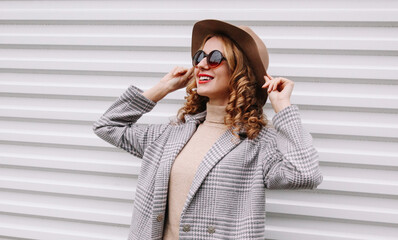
186,228
160,217
211,229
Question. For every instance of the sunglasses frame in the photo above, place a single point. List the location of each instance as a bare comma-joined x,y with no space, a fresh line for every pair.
207,56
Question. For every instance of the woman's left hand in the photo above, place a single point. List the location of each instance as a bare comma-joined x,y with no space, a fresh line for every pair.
279,91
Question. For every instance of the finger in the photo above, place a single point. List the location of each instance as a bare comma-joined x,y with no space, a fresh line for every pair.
273,84
265,85
277,81
181,71
190,72
270,86
177,71
192,75
269,76
171,73
188,75
267,82
283,82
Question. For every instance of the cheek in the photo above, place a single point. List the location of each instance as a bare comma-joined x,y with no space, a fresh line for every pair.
224,70
226,76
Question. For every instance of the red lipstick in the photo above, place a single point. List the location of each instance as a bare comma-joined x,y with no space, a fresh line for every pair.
204,80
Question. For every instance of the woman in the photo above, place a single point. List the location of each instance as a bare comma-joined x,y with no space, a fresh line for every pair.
204,175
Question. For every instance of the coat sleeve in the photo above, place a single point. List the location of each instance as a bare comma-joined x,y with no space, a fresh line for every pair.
291,161
118,125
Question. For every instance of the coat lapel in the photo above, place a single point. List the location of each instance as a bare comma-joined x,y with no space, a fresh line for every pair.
220,148
177,140
175,143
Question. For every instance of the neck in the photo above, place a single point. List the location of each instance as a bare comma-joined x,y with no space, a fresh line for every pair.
218,102
215,113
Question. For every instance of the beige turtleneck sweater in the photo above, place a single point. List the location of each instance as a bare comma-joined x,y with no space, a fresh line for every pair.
185,166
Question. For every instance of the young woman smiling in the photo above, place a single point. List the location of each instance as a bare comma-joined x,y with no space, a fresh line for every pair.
204,175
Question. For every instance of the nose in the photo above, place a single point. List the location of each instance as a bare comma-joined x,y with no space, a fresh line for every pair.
203,64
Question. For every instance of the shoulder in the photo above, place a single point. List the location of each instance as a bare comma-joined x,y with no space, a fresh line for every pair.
265,136
279,120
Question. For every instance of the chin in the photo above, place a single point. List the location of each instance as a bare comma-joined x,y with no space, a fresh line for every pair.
203,94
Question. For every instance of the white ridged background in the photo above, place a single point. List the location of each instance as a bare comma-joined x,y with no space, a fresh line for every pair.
63,63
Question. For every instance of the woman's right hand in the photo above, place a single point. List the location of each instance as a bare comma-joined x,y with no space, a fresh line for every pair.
177,78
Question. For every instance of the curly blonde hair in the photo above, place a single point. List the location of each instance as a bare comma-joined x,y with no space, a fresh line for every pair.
244,109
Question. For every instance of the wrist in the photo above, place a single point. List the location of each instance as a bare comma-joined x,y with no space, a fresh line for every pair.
162,89
281,105
157,92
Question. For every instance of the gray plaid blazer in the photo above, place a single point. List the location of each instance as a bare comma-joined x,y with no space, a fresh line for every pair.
227,196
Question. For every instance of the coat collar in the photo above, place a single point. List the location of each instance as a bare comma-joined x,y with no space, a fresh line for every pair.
198,117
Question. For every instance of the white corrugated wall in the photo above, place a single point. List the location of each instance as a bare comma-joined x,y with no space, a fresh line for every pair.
63,63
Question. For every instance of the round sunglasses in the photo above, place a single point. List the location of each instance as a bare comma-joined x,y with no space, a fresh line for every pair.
214,58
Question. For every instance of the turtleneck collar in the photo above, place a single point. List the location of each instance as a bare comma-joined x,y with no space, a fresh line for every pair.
215,114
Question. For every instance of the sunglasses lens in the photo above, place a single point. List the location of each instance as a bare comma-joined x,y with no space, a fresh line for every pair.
215,58
199,55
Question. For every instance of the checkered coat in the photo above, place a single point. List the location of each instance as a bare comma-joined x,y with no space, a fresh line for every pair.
227,196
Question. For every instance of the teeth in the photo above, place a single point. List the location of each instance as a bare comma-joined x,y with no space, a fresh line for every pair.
205,78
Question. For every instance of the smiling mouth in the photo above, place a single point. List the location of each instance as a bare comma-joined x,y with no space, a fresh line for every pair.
204,79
